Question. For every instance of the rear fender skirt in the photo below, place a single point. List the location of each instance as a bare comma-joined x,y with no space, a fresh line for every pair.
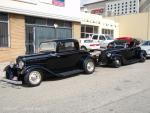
29,68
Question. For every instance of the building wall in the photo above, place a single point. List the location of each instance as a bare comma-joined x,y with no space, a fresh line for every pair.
94,8
16,37
76,30
135,25
100,22
122,7
70,11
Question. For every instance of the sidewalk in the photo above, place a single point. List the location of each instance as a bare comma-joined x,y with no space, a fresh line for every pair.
2,66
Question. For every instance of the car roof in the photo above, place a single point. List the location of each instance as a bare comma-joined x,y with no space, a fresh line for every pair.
61,40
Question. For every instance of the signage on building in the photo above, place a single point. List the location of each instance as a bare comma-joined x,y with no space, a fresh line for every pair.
97,11
58,2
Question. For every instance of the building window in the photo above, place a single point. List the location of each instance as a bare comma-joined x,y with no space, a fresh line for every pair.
43,29
87,31
4,30
108,32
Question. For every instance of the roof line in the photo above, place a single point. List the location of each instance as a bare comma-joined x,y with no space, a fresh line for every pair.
95,2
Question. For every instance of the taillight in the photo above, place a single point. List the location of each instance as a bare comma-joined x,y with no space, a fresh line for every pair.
92,44
97,44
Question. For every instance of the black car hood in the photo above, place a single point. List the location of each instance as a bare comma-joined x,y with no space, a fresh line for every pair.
35,56
111,50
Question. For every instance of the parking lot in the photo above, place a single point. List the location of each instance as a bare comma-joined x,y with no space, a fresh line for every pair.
107,90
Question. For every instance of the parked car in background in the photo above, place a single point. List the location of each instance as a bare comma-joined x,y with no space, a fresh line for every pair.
89,44
121,53
146,46
102,39
118,44
123,41
59,58
129,39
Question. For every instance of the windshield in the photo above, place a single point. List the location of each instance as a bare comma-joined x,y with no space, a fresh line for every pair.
146,43
108,37
48,46
95,37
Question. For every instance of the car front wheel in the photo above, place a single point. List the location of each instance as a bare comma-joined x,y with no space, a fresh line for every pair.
117,63
33,78
89,66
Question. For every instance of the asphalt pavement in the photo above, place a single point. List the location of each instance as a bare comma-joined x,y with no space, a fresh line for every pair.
107,90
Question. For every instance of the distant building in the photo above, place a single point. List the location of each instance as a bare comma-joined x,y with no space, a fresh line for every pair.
116,7
122,7
96,24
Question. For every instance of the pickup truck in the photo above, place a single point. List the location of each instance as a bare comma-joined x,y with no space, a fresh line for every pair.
103,40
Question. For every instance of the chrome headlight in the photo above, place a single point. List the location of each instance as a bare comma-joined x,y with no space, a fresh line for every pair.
108,54
20,64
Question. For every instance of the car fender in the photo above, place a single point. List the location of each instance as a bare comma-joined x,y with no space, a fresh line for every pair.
85,58
32,67
143,52
117,56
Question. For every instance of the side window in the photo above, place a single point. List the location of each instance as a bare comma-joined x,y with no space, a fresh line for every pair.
95,37
101,38
4,30
66,46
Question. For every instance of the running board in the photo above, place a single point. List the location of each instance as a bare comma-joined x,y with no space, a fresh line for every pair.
63,74
133,61
12,81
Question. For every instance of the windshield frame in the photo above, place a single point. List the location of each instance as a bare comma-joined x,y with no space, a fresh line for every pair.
48,49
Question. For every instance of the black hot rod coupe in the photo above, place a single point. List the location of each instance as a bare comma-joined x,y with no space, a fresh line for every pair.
122,52
57,58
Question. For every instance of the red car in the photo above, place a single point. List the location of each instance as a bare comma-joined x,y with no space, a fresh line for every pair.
129,40
123,41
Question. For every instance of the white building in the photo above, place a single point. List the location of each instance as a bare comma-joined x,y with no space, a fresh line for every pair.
96,24
122,7
114,7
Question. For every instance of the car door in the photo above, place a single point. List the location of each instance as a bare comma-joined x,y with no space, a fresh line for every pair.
146,46
68,56
127,53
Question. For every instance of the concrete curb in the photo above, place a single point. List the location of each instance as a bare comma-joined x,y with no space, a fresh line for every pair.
2,66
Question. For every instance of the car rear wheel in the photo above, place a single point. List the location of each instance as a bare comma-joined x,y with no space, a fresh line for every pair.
142,57
89,66
117,63
33,78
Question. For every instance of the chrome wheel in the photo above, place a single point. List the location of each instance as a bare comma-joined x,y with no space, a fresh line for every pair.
35,77
90,66
117,63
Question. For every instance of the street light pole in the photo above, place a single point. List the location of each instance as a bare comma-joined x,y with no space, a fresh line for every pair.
55,26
